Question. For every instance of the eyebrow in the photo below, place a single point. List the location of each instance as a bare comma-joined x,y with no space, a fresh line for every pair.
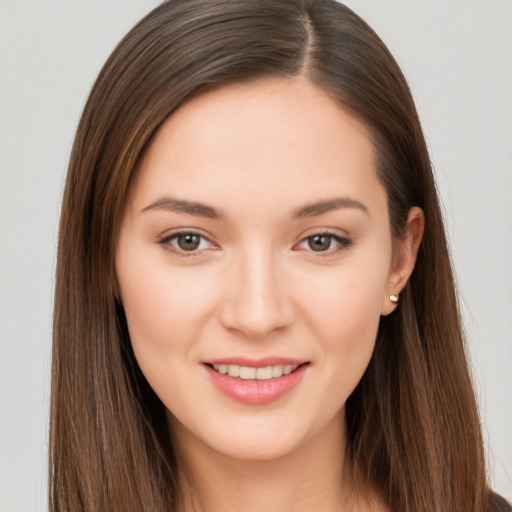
203,210
327,205
183,206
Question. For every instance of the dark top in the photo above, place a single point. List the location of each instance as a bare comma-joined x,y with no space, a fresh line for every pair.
499,504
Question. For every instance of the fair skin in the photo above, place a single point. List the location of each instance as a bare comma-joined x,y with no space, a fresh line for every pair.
257,234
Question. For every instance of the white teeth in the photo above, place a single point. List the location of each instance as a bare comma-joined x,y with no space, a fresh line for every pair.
264,373
233,370
277,371
248,372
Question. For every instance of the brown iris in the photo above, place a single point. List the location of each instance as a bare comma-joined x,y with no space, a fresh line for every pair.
188,241
319,243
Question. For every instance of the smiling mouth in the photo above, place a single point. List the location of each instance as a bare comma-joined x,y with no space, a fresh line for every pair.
257,384
251,373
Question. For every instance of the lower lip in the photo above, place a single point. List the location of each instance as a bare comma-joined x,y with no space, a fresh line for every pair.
253,391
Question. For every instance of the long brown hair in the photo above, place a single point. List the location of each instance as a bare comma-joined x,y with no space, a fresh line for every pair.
413,423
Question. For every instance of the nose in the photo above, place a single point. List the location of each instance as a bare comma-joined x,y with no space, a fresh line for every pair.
256,299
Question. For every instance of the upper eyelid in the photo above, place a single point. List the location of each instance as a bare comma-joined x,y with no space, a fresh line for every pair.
332,232
339,238
184,231
166,238
326,230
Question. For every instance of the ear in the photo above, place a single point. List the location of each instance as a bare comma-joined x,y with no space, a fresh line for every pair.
404,259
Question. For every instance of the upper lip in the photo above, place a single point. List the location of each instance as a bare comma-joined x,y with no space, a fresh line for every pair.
257,363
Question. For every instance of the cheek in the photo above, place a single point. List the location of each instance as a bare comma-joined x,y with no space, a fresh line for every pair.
165,308
346,299
344,311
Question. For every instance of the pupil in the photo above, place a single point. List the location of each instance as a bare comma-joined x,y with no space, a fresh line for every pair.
319,242
188,242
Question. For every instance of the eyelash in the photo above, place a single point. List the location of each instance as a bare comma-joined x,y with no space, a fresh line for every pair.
343,243
166,242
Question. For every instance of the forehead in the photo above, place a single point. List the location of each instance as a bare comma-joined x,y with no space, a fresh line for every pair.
277,140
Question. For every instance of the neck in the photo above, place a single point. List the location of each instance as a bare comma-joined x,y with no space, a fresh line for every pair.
317,475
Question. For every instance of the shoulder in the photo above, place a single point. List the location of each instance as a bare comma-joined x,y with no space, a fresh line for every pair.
499,504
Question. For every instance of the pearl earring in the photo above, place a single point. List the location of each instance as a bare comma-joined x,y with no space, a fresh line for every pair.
394,297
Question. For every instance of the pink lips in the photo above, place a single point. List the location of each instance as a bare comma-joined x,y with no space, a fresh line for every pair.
254,391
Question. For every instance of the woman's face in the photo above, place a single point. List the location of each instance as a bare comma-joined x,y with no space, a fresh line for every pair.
255,243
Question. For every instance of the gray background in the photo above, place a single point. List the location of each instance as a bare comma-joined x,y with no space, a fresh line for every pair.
458,59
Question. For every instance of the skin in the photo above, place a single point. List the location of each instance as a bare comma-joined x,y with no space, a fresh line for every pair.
257,153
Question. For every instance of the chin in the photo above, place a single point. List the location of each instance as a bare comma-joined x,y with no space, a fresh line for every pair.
258,436
257,448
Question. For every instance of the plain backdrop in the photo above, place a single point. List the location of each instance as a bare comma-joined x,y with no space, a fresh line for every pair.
458,59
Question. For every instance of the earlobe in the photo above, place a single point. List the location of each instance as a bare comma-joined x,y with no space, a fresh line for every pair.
404,260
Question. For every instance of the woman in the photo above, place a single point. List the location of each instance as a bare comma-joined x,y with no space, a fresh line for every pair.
254,301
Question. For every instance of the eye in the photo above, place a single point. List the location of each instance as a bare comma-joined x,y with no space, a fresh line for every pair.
324,242
186,242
